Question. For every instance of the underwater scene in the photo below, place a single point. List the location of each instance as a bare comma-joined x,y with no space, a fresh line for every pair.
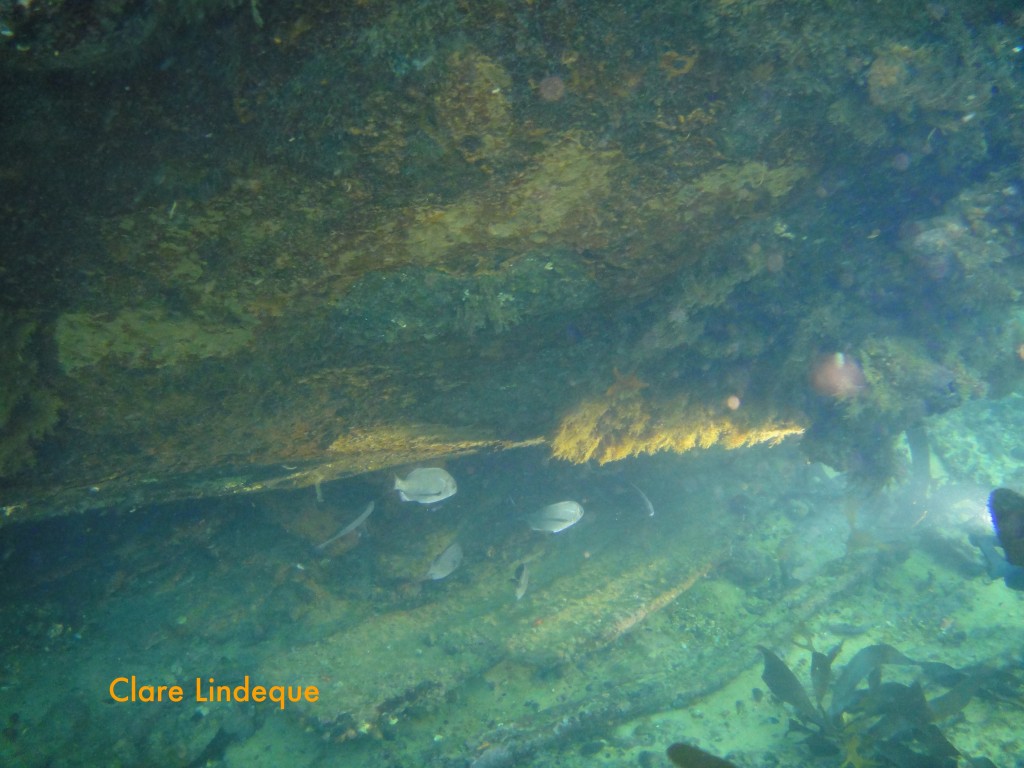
533,383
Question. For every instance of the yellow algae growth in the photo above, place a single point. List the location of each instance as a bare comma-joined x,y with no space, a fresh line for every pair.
743,182
142,338
560,198
361,450
472,106
368,449
562,194
612,428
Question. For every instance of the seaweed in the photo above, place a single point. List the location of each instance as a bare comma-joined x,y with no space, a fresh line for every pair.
870,722
785,685
821,671
866,663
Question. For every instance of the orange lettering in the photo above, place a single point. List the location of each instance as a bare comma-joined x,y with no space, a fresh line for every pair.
113,684
277,695
144,693
242,691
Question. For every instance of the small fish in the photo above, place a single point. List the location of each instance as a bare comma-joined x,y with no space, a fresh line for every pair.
348,528
688,756
556,517
426,485
647,502
521,580
445,563
1007,509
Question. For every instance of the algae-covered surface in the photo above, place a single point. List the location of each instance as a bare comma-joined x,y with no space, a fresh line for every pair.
239,234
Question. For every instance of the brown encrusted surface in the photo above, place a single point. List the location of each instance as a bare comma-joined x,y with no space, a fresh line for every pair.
362,219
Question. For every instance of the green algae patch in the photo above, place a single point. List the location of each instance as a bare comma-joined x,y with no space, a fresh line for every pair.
29,410
143,338
744,181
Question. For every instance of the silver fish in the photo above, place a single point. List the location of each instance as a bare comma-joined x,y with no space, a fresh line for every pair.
427,485
348,528
445,563
647,502
555,517
521,580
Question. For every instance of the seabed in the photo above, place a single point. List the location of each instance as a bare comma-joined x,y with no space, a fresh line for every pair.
635,631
